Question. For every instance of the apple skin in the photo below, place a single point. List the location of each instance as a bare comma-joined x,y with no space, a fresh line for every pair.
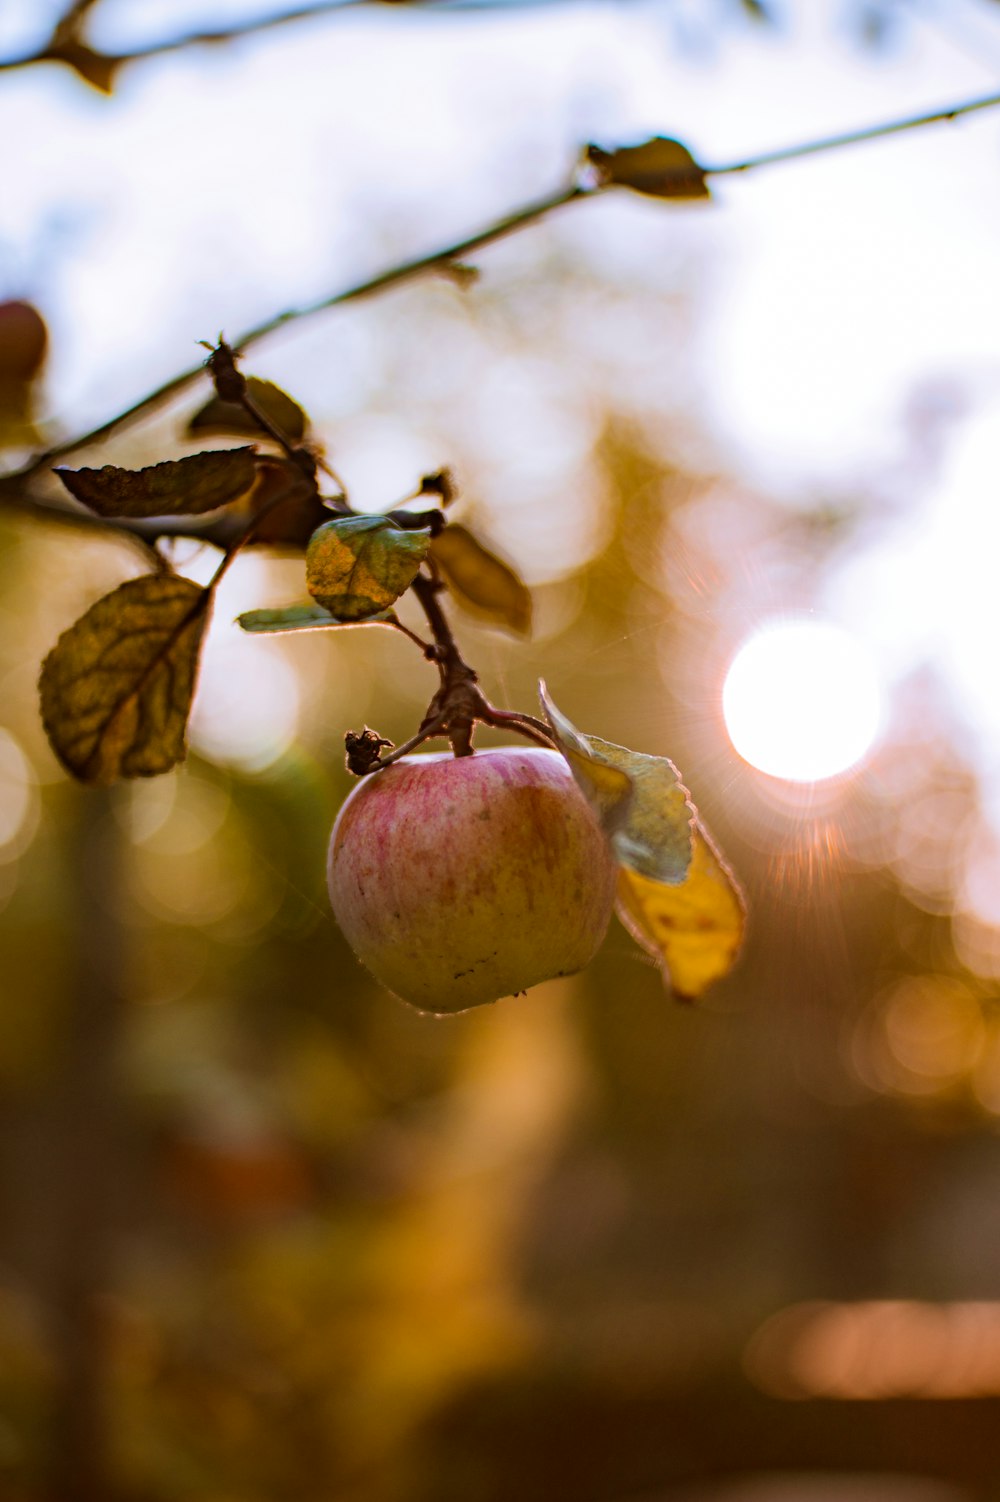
459,880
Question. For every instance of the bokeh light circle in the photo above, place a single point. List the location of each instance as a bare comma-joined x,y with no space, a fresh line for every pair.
802,700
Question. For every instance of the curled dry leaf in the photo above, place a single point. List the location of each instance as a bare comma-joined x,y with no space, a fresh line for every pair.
357,566
305,618
695,930
178,487
480,581
676,895
660,168
116,688
218,416
288,523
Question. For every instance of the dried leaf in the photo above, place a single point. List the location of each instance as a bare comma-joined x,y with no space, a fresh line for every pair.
660,168
305,618
116,688
441,483
292,521
480,581
640,800
218,416
357,566
676,895
179,487
695,929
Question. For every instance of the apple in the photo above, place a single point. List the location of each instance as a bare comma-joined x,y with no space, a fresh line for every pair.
23,341
459,880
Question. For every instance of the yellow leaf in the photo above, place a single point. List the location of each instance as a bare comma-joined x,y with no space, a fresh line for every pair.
660,168
116,688
694,929
480,581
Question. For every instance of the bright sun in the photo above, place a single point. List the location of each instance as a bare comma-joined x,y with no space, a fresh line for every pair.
802,700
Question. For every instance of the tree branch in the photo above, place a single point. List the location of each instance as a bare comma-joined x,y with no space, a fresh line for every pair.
438,260
442,260
856,137
66,38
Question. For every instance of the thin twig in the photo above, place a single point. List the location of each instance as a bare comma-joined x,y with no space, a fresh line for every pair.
407,271
437,260
427,732
428,648
68,28
523,724
855,137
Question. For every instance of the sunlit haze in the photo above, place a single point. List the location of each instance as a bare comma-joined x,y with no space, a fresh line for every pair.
801,701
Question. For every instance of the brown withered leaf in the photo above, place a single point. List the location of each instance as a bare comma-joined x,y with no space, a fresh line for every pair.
693,929
178,487
660,168
116,688
480,581
676,895
291,522
218,416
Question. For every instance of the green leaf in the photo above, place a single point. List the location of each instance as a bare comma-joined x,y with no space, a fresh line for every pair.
606,788
676,895
218,416
695,929
356,566
480,581
179,487
644,806
116,688
660,168
305,618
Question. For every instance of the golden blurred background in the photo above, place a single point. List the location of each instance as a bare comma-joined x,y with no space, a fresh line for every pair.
269,1235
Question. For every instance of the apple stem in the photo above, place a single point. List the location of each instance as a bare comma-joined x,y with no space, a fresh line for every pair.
523,724
427,731
459,702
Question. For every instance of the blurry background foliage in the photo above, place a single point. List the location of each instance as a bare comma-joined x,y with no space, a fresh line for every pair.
268,1234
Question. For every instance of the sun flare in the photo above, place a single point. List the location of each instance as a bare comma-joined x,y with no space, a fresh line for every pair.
802,700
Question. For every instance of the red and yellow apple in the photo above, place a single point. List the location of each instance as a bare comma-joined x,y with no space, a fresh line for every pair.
459,880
